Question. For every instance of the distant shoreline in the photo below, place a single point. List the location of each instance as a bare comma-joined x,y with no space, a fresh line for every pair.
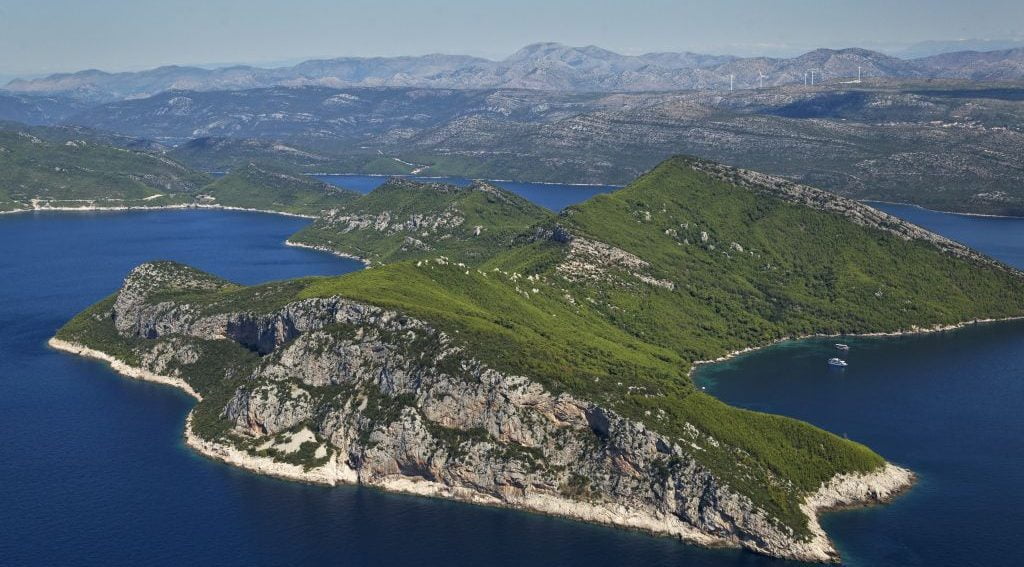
327,250
923,208
466,178
129,208
185,207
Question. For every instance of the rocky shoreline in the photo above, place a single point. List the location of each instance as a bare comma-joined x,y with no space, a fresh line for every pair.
122,368
327,250
852,491
842,491
336,473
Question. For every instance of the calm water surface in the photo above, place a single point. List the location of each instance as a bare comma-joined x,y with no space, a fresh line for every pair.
554,196
947,405
93,469
999,237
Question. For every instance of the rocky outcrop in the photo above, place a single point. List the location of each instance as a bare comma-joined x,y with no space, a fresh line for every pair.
391,401
136,314
385,223
594,260
268,409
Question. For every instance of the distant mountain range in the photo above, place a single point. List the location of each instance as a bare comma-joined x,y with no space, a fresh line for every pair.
951,145
542,66
938,47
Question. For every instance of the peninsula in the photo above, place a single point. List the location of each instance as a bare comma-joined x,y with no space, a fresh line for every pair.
547,368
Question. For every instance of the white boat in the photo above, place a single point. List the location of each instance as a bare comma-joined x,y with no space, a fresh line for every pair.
841,346
837,362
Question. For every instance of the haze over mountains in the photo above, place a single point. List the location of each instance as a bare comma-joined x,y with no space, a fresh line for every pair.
542,66
944,131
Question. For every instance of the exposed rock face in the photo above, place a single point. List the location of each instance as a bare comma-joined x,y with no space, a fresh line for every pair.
133,315
268,409
596,260
394,402
383,222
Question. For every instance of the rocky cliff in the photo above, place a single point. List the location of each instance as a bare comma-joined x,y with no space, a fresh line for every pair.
334,390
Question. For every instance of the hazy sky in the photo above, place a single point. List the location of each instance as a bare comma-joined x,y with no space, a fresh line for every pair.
41,36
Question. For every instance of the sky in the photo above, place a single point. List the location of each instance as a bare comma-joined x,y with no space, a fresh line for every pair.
45,36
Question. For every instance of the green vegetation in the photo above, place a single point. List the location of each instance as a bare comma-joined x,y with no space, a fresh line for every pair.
304,456
771,459
94,329
52,170
771,269
629,346
690,269
76,171
224,365
254,187
402,220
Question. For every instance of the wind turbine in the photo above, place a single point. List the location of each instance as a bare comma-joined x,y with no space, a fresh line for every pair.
760,79
858,73
731,77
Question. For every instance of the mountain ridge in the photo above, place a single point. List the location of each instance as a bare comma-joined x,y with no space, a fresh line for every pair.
544,66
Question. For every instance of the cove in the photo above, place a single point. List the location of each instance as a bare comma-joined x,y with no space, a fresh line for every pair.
947,405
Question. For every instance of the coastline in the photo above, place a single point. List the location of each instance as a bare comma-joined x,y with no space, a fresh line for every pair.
923,208
327,250
842,491
182,206
332,473
317,174
907,332
846,491
123,368
335,473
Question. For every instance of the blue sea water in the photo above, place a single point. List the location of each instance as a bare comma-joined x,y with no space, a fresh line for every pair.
946,405
999,237
554,196
93,470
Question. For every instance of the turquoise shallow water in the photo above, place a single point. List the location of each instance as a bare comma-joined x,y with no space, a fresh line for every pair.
93,470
